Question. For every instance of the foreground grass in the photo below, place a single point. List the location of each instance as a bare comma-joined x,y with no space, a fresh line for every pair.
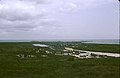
59,67
52,66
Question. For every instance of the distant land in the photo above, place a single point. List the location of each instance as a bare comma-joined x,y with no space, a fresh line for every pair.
95,41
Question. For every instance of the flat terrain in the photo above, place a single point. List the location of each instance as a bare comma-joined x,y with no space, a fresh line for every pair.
36,64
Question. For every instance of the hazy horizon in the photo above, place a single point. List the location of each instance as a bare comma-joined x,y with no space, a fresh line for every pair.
59,19
52,39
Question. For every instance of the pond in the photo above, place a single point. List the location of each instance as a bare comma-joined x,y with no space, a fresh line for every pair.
40,45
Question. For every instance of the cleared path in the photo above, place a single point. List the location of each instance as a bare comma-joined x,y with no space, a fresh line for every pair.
101,53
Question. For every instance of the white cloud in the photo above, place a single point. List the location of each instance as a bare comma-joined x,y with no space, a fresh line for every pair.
69,6
39,16
19,11
22,15
72,5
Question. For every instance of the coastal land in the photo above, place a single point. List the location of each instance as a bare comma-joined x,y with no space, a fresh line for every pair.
57,59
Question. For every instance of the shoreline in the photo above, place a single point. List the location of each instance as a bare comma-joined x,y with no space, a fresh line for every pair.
90,41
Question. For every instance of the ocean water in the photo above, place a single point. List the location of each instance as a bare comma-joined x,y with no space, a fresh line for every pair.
14,40
95,41
104,41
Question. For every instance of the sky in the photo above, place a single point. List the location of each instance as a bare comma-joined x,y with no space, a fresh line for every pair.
59,19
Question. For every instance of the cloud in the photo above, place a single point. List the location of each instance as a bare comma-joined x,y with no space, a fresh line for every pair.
18,10
73,5
23,15
37,1
95,3
69,6
39,15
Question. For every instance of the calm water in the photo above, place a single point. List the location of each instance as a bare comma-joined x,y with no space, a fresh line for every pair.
96,41
104,41
14,40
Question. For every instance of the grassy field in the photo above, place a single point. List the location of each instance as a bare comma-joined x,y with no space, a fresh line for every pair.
114,48
52,66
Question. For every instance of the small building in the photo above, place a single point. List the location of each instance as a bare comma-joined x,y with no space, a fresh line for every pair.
66,53
83,54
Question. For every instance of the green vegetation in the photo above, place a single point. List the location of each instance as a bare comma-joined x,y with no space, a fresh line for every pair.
114,48
12,66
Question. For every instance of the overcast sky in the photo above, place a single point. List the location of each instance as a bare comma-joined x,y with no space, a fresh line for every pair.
59,19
